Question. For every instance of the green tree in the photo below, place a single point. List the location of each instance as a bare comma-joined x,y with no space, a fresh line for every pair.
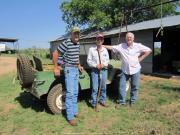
109,13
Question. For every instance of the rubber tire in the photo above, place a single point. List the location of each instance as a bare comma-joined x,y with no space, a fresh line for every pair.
53,95
25,71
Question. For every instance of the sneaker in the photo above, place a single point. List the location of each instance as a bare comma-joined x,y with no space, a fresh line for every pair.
72,122
90,103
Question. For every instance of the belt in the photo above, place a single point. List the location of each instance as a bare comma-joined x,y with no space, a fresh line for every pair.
69,65
104,68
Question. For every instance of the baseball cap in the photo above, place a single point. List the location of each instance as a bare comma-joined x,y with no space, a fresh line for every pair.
75,29
99,35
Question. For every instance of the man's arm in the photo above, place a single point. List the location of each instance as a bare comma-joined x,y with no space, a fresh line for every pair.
107,47
105,59
80,67
144,55
55,60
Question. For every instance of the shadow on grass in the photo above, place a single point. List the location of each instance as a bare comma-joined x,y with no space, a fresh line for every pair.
27,100
166,87
85,95
112,93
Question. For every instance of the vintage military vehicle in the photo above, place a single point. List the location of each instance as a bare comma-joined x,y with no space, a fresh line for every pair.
41,82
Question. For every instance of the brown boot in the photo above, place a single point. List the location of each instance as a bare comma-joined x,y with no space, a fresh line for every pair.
72,122
103,104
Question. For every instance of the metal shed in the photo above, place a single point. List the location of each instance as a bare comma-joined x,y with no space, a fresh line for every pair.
14,43
145,33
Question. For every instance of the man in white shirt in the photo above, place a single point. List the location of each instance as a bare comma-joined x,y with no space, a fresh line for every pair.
98,59
131,54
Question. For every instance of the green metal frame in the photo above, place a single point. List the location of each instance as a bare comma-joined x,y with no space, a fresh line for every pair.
44,80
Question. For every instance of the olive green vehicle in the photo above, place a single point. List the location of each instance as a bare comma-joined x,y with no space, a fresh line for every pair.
41,83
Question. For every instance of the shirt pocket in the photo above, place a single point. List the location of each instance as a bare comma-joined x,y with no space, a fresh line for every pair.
104,56
95,57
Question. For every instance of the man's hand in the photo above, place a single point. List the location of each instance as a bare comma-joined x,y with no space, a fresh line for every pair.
144,55
140,59
98,66
102,66
80,68
56,72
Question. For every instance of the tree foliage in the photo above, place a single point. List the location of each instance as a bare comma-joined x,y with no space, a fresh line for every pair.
109,13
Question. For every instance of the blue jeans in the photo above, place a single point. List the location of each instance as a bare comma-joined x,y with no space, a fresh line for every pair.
134,87
72,87
95,75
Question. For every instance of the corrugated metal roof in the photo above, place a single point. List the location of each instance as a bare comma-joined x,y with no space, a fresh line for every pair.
151,24
8,40
65,36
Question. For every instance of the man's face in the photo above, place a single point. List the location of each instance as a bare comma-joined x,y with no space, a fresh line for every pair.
129,38
75,37
99,41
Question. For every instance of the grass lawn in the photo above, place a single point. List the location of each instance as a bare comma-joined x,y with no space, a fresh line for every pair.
156,112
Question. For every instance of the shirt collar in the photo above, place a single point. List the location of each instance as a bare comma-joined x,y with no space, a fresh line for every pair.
73,42
102,49
130,47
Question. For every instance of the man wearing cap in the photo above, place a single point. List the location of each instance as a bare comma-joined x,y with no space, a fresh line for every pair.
98,59
132,54
70,50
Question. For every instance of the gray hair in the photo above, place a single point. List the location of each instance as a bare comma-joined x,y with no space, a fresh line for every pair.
130,33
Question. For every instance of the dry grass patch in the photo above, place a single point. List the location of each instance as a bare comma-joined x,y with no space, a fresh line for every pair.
172,111
7,108
149,128
7,64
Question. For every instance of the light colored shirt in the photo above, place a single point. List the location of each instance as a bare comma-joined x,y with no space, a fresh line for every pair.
129,55
93,58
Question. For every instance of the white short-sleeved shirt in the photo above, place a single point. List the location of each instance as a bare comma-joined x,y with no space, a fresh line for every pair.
129,56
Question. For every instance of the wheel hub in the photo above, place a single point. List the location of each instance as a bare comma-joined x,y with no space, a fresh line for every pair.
60,101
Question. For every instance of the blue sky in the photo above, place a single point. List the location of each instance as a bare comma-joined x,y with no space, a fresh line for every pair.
33,22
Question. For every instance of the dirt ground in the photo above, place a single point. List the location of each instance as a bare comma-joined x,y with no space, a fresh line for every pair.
7,64
151,78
